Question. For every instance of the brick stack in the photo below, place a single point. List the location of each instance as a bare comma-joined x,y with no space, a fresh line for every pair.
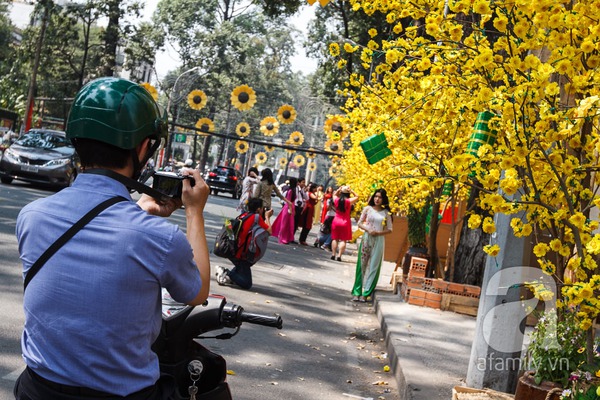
436,293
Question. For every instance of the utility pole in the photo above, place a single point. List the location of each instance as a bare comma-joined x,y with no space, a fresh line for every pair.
36,64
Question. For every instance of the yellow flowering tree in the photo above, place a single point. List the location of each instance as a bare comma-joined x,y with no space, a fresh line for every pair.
534,66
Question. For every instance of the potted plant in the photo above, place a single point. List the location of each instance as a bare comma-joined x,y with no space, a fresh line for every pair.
556,349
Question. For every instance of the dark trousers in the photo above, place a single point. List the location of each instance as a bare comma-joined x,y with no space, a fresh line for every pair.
297,217
30,386
303,235
241,274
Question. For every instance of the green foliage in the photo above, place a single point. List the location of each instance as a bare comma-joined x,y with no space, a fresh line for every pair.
417,226
337,23
556,347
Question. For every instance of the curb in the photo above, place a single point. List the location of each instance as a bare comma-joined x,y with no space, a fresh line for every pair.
390,337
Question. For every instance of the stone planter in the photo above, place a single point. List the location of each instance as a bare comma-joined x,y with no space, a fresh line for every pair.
527,389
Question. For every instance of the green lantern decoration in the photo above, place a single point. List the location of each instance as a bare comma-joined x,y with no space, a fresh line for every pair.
448,188
482,134
375,148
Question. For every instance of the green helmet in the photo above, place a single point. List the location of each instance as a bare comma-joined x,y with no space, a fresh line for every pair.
115,111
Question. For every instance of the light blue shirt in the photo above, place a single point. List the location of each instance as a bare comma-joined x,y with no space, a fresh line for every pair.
94,309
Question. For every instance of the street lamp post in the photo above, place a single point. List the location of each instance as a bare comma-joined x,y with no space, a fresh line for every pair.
169,143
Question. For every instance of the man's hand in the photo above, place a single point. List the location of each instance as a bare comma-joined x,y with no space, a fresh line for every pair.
153,207
194,197
269,213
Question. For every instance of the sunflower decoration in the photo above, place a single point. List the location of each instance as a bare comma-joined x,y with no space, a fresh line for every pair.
269,149
243,97
312,166
242,129
196,99
335,128
334,146
283,162
311,154
286,114
269,126
241,146
299,160
333,170
290,151
205,125
151,89
261,157
296,138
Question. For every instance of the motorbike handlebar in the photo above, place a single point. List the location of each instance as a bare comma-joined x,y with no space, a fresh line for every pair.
265,320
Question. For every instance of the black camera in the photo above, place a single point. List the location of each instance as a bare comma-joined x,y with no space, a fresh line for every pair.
170,183
299,203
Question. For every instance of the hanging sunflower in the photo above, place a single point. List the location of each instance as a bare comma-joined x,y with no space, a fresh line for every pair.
269,149
290,151
299,160
333,171
286,114
261,157
296,138
205,125
310,154
283,162
334,146
196,99
243,97
242,129
241,146
335,128
269,126
151,89
312,166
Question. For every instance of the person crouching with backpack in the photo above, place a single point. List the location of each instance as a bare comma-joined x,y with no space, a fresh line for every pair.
241,274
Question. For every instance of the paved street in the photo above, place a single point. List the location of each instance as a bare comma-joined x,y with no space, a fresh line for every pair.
330,348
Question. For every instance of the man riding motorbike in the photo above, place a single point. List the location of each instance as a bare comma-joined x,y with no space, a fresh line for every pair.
93,311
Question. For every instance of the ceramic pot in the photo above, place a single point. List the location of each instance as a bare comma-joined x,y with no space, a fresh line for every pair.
527,389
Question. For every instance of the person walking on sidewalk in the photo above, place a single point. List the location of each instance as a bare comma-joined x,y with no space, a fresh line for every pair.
341,226
241,274
318,205
308,212
283,226
376,221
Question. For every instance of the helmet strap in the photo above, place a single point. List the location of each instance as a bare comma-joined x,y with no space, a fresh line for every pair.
139,165
137,169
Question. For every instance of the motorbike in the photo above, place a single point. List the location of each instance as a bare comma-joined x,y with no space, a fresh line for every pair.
193,371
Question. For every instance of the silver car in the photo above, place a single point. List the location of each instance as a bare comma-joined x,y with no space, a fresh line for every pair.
40,156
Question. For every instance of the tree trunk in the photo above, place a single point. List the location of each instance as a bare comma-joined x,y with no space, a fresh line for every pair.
111,37
469,258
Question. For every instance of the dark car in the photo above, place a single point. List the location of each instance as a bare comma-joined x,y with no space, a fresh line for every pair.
225,179
40,156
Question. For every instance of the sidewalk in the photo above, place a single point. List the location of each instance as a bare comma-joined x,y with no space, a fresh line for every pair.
429,349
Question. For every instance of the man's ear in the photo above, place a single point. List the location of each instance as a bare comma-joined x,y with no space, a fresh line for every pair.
142,148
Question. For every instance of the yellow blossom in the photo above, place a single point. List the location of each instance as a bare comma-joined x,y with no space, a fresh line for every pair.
491,250
474,221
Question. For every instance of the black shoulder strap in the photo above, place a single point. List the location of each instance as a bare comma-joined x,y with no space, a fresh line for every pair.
68,235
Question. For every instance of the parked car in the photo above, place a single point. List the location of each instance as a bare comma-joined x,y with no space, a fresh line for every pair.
40,156
225,179
7,137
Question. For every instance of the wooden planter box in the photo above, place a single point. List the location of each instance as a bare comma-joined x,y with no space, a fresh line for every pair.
464,393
